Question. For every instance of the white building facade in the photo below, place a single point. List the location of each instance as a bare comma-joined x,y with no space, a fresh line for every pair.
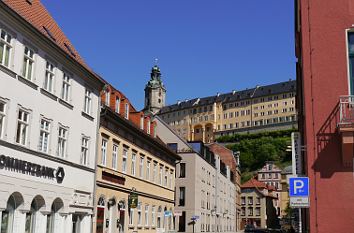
49,114
204,189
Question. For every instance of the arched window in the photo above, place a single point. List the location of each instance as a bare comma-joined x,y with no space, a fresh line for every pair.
32,215
7,218
53,218
100,215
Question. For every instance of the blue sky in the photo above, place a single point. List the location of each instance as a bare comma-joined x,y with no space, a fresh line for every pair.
203,46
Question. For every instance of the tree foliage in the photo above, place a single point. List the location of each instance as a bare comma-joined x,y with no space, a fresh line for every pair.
254,152
239,137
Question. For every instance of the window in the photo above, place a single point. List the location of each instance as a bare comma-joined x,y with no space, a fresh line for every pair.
84,150
154,172
243,200
171,177
22,127
117,107
258,200
124,161
131,216
2,118
159,216
104,152
148,162
243,211
115,156
88,99
153,215
160,175
250,200
62,141
126,111
146,215
139,214
165,178
258,211
148,127
250,211
5,48
28,62
141,167
182,170
108,96
133,164
182,196
65,90
142,122
44,134
49,77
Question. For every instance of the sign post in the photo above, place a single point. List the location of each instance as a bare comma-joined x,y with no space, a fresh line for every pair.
299,194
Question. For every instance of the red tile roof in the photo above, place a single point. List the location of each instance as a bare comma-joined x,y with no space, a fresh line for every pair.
253,183
37,15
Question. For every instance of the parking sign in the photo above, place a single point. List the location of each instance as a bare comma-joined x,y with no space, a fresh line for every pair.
299,192
299,187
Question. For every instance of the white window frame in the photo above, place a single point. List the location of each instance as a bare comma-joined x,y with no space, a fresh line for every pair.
147,208
133,164
85,142
88,101
66,87
141,167
28,61
49,78
142,122
44,134
154,172
165,177
131,216
5,43
107,97
140,216
104,146
117,107
115,149
124,159
22,124
160,174
148,165
3,118
62,141
153,215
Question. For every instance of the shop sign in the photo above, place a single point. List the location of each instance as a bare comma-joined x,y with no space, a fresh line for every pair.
133,200
32,169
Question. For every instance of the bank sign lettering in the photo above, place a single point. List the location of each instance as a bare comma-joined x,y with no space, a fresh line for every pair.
33,169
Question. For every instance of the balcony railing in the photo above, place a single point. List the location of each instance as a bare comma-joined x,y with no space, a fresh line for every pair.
346,108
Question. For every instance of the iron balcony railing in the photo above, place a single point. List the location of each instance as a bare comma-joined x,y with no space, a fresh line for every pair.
346,108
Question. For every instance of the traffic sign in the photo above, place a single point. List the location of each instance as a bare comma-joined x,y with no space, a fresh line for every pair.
299,202
299,187
195,217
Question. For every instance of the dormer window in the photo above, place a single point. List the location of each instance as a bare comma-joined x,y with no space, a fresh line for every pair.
117,107
107,97
142,122
148,127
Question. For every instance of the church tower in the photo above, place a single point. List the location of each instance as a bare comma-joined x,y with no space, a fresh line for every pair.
155,92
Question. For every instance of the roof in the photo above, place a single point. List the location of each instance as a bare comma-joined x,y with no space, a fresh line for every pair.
38,17
253,183
273,89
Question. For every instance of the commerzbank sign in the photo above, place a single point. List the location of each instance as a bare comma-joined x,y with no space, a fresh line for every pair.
32,169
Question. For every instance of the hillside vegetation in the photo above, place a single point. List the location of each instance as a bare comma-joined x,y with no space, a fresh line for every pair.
256,149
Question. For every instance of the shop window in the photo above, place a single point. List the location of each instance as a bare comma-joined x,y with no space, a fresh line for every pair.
100,215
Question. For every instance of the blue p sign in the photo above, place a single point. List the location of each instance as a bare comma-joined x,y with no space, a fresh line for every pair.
299,187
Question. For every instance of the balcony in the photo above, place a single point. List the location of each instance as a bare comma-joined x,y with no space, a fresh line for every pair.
346,128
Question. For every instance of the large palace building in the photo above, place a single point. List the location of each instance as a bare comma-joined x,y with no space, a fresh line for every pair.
270,107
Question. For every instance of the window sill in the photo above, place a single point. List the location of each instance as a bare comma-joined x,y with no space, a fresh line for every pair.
66,104
84,114
7,71
140,227
50,95
27,82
